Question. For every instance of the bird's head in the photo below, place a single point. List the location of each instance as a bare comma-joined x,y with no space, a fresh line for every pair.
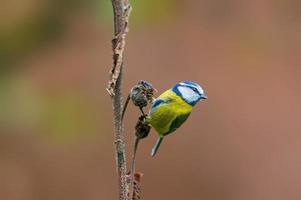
190,92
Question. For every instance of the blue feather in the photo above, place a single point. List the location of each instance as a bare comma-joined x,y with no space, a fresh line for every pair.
158,102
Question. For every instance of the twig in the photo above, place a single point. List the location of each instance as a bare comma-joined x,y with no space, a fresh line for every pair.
133,167
142,130
121,9
136,187
136,194
125,107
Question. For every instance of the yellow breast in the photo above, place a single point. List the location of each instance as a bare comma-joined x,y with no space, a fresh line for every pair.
162,117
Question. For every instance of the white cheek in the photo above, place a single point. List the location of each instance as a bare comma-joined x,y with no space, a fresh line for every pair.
188,94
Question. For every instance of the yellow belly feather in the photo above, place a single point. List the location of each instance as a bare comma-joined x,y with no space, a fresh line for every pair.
166,113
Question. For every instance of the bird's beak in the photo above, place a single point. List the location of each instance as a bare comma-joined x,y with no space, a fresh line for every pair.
204,96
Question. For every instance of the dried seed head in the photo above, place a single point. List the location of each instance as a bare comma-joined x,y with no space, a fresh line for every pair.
148,90
138,97
142,128
142,94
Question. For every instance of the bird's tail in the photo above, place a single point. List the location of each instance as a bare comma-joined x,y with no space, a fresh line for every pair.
156,146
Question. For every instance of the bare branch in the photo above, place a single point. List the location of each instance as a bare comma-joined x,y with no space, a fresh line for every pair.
121,9
121,18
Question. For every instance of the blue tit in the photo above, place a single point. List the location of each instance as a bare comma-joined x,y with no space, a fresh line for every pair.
171,109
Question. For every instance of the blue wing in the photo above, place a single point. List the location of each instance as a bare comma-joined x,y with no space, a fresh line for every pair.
159,102
177,122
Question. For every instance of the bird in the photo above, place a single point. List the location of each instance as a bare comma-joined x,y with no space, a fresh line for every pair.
172,108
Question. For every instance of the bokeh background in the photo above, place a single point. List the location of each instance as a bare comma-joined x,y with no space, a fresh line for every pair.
244,142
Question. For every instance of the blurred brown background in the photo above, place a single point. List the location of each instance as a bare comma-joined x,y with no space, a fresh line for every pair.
56,139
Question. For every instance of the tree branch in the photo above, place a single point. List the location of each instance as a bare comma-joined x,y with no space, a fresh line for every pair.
121,9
